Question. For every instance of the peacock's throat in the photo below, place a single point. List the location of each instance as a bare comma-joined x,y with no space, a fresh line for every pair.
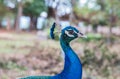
72,67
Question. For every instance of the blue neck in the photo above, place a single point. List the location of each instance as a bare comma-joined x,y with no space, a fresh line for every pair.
72,66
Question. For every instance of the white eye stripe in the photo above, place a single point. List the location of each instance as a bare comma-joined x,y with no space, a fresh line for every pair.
67,33
69,29
73,31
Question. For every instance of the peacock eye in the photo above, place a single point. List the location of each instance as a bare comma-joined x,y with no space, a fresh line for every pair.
70,31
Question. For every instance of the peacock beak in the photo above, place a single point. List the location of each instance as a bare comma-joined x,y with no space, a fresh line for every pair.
81,35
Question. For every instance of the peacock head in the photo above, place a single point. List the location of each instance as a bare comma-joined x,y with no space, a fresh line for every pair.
70,33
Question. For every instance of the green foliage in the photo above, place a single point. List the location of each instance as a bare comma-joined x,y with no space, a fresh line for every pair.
111,9
34,8
3,8
5,12
82,11
101,13
92,15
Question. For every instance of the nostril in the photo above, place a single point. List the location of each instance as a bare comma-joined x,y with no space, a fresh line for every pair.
81,33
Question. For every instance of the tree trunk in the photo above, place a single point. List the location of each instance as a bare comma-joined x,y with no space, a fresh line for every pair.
112,23
0,25
8,24
19,14
51,12
33,21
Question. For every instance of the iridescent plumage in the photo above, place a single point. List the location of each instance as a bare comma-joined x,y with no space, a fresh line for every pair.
72,65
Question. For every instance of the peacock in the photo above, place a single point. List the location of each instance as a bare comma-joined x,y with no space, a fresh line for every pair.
72,64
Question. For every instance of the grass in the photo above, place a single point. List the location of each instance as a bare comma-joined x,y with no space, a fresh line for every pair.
22,43
14,46
25,43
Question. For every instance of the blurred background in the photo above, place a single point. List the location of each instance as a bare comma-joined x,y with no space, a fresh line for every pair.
26,48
